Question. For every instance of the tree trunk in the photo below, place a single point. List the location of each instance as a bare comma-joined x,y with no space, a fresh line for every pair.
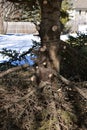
50,29
1,18
1,25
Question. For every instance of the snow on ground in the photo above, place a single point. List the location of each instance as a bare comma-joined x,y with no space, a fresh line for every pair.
18,42
65,37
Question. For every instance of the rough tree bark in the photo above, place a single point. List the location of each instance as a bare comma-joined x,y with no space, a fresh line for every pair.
50,29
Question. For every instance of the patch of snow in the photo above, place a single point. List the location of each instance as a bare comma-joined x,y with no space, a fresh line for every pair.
18,42
65,37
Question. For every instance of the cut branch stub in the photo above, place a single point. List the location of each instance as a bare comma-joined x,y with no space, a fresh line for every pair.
64,47
43,49
54,28
33,78
44,64
45,2
50,75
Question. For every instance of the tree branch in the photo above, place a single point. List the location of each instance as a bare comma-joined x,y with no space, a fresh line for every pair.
13,69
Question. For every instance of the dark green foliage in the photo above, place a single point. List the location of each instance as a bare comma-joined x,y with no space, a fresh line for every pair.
30,13
4,66
13,55
74,57
79,43
65,15
28,10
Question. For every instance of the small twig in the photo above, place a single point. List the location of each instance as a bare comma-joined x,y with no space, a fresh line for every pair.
64,80
62,124
21,99
83,93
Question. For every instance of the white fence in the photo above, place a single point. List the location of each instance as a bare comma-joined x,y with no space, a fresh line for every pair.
19,27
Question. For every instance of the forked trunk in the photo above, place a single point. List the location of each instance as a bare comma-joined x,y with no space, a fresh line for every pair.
50,29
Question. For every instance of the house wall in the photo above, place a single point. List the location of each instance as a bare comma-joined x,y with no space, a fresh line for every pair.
81,16
78,15
77,18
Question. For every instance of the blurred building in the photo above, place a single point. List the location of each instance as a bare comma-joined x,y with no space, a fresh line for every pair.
78,16
20,27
